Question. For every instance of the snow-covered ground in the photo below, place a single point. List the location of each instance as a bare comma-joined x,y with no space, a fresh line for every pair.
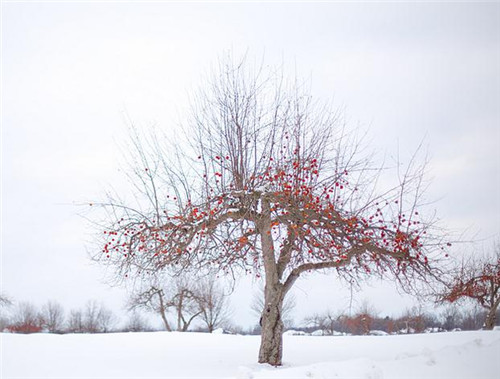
455,355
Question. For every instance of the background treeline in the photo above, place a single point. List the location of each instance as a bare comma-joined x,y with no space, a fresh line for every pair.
94,317
414,320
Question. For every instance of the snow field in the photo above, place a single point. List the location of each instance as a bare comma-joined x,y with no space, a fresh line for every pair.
474,355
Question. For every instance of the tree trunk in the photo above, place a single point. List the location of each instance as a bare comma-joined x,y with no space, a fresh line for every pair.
491,318
162,313
271,344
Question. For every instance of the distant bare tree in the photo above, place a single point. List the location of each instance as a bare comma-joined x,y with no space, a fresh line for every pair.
94,318
184,302
153,300
413,320
91,316
97,318
367,308
451,317
75,321
361,322
473,318
5,301
52,315
327,322
26,319
106,320
26,313
364,317
212,300
178,297
4,322
136,323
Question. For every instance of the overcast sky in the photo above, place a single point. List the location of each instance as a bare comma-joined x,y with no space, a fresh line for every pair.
406,72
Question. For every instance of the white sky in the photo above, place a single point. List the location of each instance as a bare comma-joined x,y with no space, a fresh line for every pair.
407,72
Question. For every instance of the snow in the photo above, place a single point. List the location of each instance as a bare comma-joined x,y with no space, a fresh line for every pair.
197,355
218,331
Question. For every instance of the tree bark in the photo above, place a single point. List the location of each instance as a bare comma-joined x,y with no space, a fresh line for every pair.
162,312
491,318
271,343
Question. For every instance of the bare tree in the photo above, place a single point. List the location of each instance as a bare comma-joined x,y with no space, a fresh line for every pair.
177,297
94,318
26,319
327,322
137,323
75,321
213,302
413,320
478,279
97,318
91,316
53,316
362,321
473,318
153,300
5,301
451,317
268,181
4,322
185,303
106,320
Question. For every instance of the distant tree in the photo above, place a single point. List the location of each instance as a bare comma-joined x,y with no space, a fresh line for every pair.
106,320
153,300
52,315
478,279
185,303
177,298
97,318
25,319
213,303
91,316
451,317
413,320
75,322
472,318
389,325
268,182
4,322
359,324
136,323
5,301
327,322
362,321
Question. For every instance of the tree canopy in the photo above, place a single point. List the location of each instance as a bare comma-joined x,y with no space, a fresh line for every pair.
268,181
